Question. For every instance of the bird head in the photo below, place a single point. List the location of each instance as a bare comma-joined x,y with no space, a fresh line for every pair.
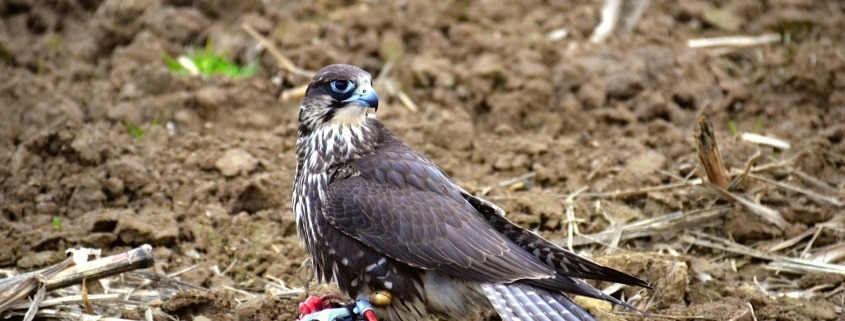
339,95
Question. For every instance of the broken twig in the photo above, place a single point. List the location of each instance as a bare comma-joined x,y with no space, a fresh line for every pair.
764,140
708,153
734,41
64,274
283,61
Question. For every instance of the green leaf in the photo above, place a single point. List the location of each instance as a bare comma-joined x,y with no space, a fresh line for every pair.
210,63
133,130
732,128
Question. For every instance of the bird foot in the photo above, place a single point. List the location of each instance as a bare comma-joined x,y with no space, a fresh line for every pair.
326,308
313,304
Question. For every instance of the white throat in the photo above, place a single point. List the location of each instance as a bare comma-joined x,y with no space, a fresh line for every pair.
349,116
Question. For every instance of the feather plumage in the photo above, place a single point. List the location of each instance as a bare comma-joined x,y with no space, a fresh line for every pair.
376,215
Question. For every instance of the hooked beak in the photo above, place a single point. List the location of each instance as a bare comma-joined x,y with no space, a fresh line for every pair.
365,96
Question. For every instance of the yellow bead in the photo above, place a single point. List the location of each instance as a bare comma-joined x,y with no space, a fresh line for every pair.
380,298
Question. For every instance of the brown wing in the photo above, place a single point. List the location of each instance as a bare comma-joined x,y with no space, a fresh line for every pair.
562,260
401,205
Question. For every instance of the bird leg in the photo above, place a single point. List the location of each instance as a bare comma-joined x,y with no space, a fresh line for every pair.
311,305
329,308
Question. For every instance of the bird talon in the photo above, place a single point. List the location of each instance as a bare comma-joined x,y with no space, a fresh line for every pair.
321,308
311,305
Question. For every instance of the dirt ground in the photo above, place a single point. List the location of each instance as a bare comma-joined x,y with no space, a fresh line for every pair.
509,112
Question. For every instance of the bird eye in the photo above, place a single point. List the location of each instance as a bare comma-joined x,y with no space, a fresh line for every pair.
342,86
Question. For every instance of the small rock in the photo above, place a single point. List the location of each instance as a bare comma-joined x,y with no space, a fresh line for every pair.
545,208
619,212
489,65
816,309
178,24
745,226
39,259
130,170
87,195
818,278
155,227
252,199
103,220
723,19
89,145
99,240
122,11
525,220
212,97
646,163
236,161
593,94
187,305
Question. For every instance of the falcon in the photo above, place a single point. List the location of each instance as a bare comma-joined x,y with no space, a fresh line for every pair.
381,219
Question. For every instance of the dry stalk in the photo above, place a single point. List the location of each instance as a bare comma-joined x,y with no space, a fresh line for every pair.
137,258
734,41
746,169
764,140
773,166
714,242
64,274
610,13
814,181
280,288
65,300
634,11
672,222
89,309
394,90
791,242
406,100
708,153
642,191
778,263
522,179
751,308
283,61
616,12
768,214
20,286
36,300
811,194
294,93
830,254
571,222
805,266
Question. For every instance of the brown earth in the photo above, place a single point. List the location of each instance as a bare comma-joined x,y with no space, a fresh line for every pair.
208,183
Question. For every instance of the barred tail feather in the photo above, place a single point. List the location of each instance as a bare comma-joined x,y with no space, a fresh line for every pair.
521,302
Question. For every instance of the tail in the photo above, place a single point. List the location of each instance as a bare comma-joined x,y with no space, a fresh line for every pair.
522,302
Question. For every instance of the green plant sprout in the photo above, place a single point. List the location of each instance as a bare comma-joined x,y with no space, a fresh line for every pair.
57,223
206,62
732,129
135,131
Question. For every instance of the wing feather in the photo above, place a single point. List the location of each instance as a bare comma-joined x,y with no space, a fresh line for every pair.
403,206
562,260
520,302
